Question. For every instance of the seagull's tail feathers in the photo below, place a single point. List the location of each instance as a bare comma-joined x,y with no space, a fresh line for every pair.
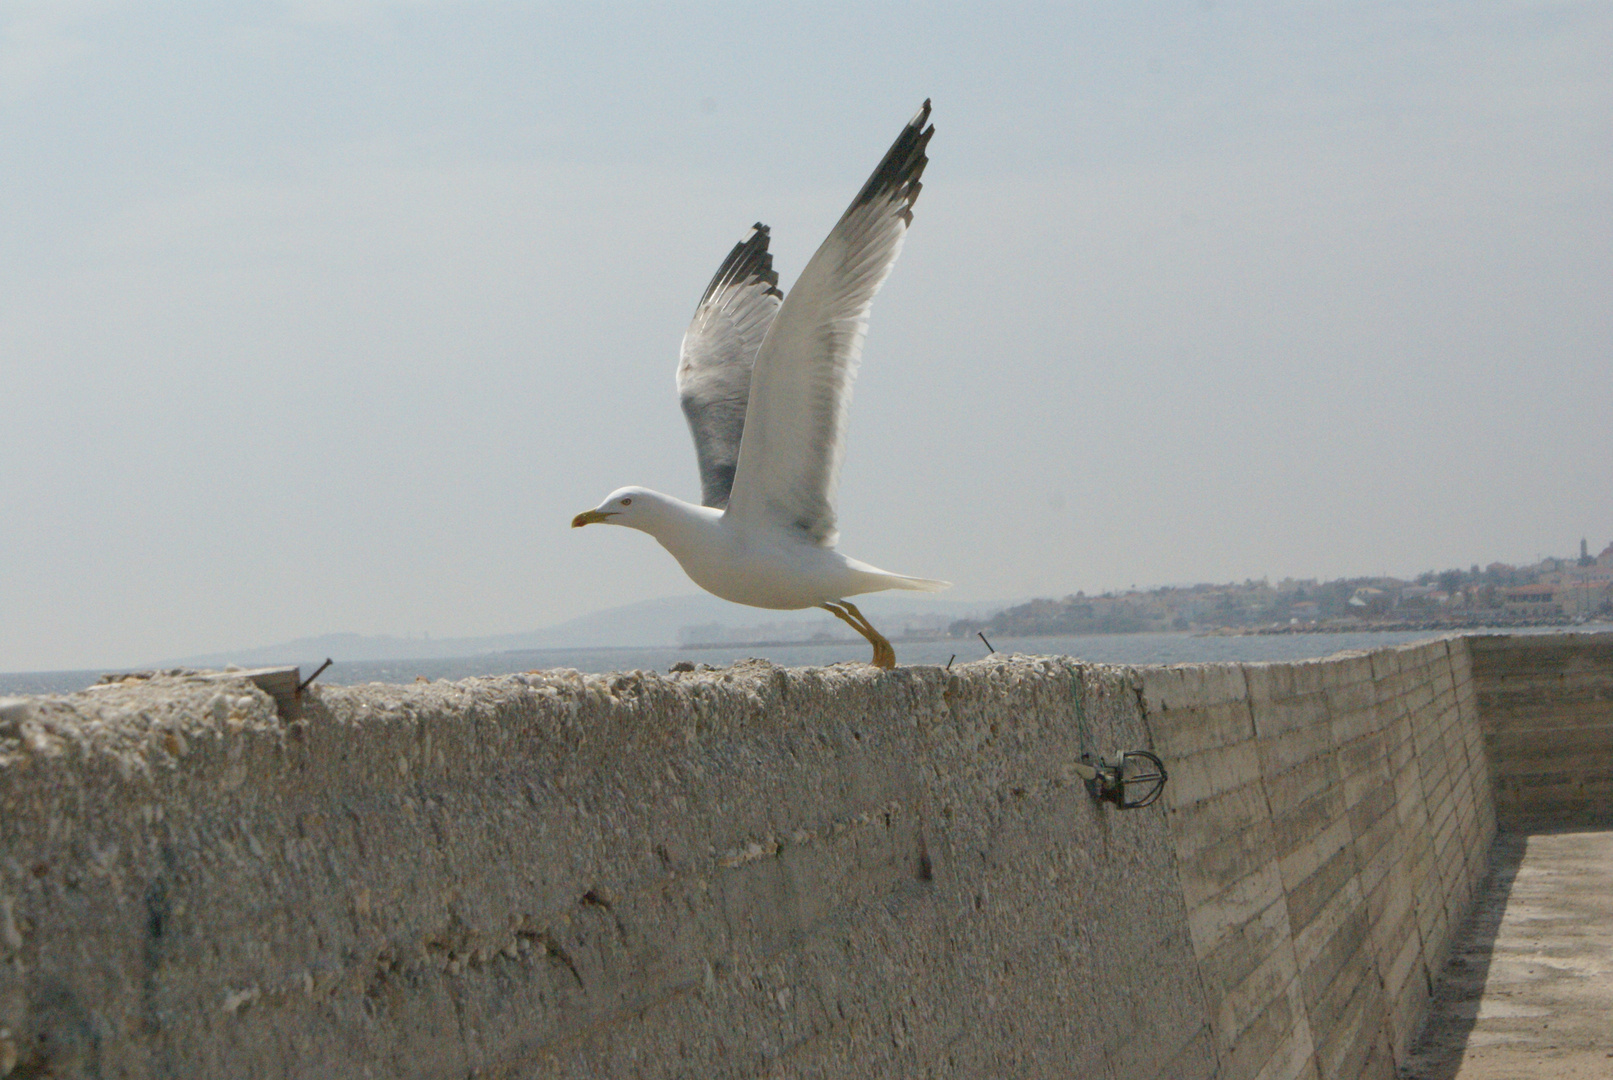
918,584
872,579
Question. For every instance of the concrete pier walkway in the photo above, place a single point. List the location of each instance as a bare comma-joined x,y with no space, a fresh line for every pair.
1528,991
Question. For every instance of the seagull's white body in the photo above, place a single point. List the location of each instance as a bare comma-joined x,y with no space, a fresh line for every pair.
758,567
765,383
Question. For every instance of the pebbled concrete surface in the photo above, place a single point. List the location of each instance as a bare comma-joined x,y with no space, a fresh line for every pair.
1528,991
722,873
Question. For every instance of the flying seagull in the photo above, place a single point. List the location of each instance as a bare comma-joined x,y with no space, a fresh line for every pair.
765,382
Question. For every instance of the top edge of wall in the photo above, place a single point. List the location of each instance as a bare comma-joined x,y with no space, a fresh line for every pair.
1539,641
134,718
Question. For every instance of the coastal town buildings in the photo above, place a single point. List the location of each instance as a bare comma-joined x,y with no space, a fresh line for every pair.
1554,590
1583,587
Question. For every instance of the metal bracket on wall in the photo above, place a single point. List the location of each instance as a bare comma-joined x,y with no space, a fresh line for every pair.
1115,779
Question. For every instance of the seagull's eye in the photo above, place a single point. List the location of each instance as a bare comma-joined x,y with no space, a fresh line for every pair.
627,502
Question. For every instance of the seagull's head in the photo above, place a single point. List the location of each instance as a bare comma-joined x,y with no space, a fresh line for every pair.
635,507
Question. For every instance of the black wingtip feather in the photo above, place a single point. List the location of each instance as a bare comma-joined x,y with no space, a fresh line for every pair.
748,261
897,177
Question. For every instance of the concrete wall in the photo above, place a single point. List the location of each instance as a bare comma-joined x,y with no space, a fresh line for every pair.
1332,821
1546,706
742,873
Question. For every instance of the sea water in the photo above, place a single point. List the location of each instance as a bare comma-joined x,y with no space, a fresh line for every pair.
1156,648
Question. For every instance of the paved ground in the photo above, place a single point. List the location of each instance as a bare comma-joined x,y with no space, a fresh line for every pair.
1528,993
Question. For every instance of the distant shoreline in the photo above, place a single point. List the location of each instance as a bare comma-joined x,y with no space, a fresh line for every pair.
804,643
1432,626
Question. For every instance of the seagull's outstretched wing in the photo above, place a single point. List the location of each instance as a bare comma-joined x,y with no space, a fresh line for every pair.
800,388
718,350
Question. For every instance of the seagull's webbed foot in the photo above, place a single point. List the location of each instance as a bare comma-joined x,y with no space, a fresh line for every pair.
846,612
884,655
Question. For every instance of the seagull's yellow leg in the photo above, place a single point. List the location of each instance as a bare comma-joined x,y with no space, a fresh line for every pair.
846,612
840,613
881,646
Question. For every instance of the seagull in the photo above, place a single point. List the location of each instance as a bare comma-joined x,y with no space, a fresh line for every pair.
765,383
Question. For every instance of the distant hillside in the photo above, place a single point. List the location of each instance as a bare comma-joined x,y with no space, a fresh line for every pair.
648,623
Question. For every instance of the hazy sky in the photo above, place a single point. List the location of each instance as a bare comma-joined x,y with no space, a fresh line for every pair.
321,317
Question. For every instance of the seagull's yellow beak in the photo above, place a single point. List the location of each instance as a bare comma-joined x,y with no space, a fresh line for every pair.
591,517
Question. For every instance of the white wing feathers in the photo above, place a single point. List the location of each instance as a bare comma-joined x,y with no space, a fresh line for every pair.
714,368
800,384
